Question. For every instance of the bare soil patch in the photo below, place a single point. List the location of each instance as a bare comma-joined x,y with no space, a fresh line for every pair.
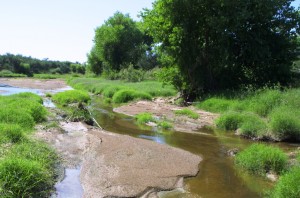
163,109
43,84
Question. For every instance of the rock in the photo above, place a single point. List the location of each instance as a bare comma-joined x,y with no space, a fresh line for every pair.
232,152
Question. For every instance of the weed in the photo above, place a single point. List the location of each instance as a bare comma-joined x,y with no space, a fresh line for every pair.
260,159
187,112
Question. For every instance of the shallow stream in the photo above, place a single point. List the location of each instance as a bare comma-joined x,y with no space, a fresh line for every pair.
218,177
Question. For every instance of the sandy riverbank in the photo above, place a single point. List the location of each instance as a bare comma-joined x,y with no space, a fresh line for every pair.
112,165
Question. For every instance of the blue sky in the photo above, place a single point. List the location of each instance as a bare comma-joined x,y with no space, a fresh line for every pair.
59,29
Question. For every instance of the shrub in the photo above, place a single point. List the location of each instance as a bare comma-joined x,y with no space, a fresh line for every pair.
126,95
143,118
187,112
217,105
71,96
285,123
229,121
10,133
21,177
260,159
288,185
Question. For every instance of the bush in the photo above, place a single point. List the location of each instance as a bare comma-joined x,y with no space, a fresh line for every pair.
143,118
71,96
285,123
260,159
288,185
126,95
187,112
10,133
21,177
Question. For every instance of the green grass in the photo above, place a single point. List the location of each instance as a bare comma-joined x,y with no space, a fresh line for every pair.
109,88
71,96
260,159
126,95
165,125
187,112
27,167
287,185
143,118
12,133
7,73
269,113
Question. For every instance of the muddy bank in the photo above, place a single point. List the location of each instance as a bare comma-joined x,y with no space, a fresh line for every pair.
162,109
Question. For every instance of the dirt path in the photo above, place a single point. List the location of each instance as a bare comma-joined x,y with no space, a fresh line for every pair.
162,109
112,165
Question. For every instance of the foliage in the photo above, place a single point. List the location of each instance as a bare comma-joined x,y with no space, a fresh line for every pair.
284,122
10,133
126,95
260,159
165,125
8,73
187,112
143,118
108,87
230,120
288,185
118,42
71,96
225,44
216,105
27,65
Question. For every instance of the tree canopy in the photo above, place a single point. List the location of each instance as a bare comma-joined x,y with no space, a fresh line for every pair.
118,42
219,44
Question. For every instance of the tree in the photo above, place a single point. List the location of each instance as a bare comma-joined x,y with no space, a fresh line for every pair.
118,43
219,44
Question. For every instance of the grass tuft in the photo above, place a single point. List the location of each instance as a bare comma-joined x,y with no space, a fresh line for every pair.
12,133
71,96
126,95
260,159
143,118
187,112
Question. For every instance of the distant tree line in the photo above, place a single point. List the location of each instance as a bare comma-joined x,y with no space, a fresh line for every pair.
204,46
29,66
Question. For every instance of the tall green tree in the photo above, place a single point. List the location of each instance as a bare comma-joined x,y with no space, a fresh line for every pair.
219,44
118,42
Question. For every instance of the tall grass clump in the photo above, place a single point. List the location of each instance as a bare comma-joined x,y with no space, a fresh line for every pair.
285,123
187,112
230,120
71,96
29,96
110,91
13,115
260,159
126,95
217,105
143,118
20,177
12,133
287,185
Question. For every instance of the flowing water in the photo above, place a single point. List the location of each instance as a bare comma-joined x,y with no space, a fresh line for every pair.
218,178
